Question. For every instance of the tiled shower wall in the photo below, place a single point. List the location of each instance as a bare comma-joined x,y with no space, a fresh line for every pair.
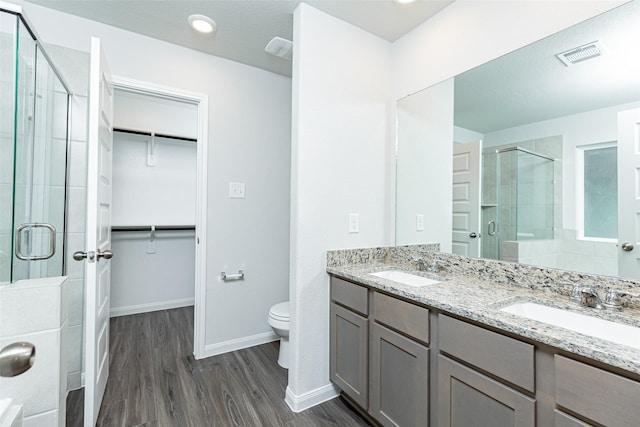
74,65
565,252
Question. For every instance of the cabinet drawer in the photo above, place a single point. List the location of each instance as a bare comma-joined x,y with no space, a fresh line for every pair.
402,316
598,395
561,419
350,295
505,357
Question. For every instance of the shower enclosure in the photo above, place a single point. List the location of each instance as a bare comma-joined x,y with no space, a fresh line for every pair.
34,121
517,198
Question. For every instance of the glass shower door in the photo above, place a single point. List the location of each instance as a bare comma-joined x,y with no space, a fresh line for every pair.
39,168
7,139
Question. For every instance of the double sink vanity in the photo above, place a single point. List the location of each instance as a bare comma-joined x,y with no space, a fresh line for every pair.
424,338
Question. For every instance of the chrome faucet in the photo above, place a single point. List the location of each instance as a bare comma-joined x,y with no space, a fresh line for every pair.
432,267
613,299
421,261
588,297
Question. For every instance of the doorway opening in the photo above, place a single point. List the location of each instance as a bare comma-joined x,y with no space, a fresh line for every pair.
159,201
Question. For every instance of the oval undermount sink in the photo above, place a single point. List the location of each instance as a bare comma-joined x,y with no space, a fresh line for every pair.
405,278
593,326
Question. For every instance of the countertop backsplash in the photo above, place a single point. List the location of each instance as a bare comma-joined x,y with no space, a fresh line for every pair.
535,278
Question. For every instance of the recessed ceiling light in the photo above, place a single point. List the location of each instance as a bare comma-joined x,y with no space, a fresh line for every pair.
403,1
202,24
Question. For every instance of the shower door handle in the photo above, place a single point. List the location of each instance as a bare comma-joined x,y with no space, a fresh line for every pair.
30,226
491,228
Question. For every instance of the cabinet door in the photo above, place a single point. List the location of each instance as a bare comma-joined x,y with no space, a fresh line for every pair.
467,398
349,355
399,379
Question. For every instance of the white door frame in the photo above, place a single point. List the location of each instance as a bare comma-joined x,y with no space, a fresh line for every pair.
202,101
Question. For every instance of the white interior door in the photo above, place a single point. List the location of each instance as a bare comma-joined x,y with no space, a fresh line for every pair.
466,199
629,193
98,266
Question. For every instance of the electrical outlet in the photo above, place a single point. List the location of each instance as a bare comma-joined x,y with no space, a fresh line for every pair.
236,190
354,223
420,222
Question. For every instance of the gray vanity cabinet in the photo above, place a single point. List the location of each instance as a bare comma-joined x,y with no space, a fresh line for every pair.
468,398
349,336
594,394
480,387
399,371
409,365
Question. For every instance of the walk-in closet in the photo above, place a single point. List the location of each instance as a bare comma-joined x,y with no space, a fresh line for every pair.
154,203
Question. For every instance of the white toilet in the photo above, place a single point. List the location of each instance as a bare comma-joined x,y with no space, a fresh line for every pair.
279,321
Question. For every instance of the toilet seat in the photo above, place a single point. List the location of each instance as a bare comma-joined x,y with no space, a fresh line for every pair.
280,312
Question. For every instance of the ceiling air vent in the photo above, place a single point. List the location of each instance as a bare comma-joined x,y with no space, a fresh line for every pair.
280,47
582,53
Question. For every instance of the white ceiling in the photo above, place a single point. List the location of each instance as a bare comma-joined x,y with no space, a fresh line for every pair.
245,26
531,84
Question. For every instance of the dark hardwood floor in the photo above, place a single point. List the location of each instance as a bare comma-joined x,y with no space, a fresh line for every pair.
155,381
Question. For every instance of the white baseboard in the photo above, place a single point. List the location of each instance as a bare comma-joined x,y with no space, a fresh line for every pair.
238,344
74,380
152,306
310,398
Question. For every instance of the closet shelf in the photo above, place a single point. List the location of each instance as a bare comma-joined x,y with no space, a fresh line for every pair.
119,228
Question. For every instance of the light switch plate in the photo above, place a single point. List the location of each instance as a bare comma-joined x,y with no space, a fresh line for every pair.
236,190
354,223
420,222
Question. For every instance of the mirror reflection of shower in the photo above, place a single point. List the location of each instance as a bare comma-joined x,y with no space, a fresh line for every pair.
517,200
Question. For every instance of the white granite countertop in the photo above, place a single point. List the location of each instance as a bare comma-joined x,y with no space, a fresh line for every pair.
481,301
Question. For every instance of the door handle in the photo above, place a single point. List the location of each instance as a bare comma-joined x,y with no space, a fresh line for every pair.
473,235
627,247
16,358
106,254
80,255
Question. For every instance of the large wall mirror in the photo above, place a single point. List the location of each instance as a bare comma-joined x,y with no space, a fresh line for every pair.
544,153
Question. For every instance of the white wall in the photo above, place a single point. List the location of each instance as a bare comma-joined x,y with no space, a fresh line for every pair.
338,166
249,141
164,194
152,274
425,136
469,33
136,111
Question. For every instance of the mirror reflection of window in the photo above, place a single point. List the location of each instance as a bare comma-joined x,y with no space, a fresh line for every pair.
600,191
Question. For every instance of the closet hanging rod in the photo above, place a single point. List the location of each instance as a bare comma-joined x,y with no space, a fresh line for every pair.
159,135
150,228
